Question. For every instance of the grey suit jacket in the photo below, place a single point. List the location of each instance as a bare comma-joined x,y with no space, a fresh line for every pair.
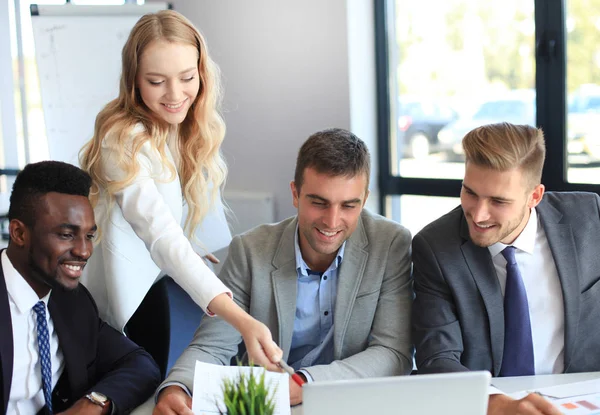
372,311
458,313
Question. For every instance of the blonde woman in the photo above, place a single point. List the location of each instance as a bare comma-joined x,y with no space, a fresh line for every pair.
154,147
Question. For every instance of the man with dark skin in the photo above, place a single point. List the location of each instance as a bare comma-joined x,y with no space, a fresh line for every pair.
73,362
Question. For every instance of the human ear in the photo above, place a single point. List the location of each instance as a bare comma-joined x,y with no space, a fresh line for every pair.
367,193
19,233
536,195
295,194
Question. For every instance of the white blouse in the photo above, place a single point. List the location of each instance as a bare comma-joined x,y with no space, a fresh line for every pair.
142,239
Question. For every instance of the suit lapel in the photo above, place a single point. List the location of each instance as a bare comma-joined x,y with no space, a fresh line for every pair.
6,344
285,279
561,242
74,360
350,275
484,274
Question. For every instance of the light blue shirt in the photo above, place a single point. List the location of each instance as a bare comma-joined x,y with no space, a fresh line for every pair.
312,340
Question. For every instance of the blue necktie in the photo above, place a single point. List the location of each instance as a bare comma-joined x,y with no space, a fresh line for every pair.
44,350
518,344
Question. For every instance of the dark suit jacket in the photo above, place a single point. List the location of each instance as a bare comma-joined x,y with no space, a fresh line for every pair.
97,357
458,313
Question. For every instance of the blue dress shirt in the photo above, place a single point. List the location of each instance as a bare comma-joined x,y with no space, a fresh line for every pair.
312,340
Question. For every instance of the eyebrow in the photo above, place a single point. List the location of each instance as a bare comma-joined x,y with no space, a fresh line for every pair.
180,73
75,228
345,202
503,199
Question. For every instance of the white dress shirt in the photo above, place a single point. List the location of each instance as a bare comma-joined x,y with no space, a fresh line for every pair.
544,294
26,394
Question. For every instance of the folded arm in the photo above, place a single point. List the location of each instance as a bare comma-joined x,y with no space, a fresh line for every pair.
126,373
436,328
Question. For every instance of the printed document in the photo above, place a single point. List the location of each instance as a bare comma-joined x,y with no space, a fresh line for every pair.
208,393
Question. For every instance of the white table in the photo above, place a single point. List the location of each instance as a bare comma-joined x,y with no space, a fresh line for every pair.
507,385
515,384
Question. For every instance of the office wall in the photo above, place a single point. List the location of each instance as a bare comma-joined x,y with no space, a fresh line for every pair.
287,73
9,151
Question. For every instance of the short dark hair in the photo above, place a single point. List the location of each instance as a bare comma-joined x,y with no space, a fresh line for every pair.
336,152
37,179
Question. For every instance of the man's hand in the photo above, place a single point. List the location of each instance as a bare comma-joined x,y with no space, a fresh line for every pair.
261,348
86,407
532,404
173,400
295,392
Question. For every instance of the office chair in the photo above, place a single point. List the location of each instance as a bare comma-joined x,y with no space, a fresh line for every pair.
150,325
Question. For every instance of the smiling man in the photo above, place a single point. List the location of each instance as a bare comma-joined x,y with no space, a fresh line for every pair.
508,282
55,353
332,283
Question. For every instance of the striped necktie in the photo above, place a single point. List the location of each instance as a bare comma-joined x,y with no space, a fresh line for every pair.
44,351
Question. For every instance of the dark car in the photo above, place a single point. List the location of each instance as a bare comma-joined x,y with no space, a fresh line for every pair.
419,122
583,120
517,107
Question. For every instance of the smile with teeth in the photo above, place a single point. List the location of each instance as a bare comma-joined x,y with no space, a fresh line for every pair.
75,268
483,226
329,234
175,106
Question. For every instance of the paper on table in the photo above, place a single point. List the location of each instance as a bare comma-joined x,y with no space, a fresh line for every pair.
564,391
213,233
580,405
208,395
572,389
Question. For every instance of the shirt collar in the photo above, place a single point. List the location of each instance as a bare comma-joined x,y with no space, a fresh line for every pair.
526,239
18,289
301,264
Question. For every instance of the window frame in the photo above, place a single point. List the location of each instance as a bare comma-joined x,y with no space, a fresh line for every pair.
550,84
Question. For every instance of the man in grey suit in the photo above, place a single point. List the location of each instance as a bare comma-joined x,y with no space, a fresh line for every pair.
509,282
332,283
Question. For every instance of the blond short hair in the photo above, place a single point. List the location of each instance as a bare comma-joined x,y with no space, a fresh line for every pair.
504,146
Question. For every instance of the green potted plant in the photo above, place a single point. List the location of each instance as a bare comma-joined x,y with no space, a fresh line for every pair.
248,395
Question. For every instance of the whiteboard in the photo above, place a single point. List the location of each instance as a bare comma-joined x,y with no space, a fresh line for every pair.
78,55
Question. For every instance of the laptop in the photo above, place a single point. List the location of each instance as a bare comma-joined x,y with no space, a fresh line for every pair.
464,393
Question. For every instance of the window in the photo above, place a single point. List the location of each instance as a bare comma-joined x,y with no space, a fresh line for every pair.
30,141
448,66
583,91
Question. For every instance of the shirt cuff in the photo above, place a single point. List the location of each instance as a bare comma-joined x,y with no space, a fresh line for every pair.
164,385
309,378
492,390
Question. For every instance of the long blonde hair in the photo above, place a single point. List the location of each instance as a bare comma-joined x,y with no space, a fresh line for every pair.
202,169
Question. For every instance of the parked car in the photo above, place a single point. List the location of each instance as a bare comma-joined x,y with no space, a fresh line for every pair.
582,121
419,122
516,107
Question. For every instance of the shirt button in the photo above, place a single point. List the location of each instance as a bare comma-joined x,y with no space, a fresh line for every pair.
325,277
326,313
